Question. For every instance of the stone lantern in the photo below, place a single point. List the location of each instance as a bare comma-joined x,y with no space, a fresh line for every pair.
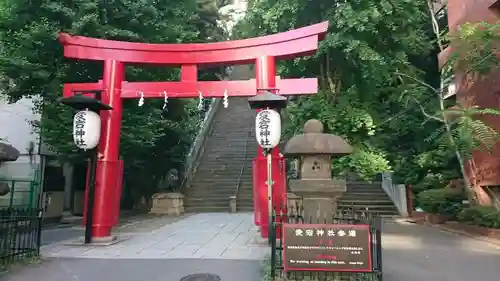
316,150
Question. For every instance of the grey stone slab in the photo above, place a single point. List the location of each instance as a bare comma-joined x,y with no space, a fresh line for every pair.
202,235
210,252
185,248
179,254
251,254
81,241
167,245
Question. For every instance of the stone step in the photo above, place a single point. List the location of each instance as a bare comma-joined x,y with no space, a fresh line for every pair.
206,201
228,150
244,193
226,157
365,192
383,213
214,186
368,207
246,196
245,209
244,205
214,182
204,189
216,142
365,202
220,169
206,209
208,204
222,180
349,182
226,181
372,191
365,196
210,192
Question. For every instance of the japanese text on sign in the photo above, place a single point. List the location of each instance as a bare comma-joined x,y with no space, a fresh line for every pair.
327,247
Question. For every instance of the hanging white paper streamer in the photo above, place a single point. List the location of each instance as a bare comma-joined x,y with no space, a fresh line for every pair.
165,100
141,99
200,102
225,101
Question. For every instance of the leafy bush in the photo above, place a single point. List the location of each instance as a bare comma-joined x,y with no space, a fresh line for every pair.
445,201
485,216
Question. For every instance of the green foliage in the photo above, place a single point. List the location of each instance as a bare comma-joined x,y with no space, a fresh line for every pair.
468,130
32,65
444,201
380,83
475,48
484,216
360,99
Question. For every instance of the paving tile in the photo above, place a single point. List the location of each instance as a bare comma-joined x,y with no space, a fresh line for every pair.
246,254
210,235
188,249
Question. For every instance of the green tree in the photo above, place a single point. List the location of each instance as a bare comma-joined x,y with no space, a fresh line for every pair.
32,65
380,83
360,99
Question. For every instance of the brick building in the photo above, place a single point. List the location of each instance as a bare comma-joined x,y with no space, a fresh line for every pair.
484,91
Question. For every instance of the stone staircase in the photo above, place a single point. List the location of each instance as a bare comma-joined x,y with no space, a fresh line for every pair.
367,196
244,199
226,161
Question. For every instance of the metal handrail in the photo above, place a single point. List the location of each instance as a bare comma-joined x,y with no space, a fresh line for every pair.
238,184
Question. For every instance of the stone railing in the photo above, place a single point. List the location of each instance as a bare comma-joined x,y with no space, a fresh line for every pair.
397,193
197,148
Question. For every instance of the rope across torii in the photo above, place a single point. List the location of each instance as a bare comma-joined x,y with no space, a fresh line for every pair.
261,51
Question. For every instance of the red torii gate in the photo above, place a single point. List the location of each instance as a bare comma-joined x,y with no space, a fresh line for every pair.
263,51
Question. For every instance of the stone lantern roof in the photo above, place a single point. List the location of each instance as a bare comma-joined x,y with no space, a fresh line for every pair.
314,141
8,152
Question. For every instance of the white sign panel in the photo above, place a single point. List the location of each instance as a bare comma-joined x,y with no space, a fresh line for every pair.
268,128
86,129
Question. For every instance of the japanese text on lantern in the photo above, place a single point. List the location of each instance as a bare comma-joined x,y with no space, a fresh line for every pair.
327,247
79,124
263,126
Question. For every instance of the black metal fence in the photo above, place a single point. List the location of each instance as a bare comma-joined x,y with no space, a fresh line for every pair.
295,215
20,234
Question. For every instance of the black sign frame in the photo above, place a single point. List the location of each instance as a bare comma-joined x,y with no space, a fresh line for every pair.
361,228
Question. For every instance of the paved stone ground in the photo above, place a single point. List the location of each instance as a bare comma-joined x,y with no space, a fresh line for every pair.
411,253
208,236
416,253
128,224
136,270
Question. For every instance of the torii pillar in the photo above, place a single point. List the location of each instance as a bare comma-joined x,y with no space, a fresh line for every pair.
261,51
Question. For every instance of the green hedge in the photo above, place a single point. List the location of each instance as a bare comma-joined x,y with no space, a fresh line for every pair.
484,216
444,201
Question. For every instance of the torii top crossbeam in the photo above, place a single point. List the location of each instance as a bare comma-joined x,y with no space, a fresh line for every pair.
298,42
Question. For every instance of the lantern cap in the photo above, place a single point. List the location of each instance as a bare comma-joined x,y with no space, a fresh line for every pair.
315,142
80,102
267,100
8,152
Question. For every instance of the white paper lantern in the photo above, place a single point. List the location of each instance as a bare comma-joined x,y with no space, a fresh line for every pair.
86,129
268,128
